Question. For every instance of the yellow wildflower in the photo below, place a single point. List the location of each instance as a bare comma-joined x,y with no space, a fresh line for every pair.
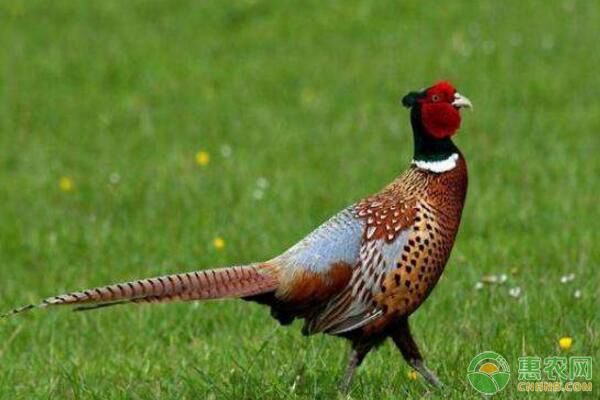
218,243
65,184
412,375
565,343
202,158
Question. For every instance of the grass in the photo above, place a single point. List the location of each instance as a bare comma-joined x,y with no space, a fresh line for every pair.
307,97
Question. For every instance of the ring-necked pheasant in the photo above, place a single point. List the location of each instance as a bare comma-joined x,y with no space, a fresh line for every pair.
364,271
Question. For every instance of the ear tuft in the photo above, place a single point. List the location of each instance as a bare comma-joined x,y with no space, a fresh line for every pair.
410,99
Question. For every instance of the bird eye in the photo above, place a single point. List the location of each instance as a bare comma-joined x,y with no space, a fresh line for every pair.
435,98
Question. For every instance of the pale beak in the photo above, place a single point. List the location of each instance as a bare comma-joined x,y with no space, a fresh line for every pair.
461,101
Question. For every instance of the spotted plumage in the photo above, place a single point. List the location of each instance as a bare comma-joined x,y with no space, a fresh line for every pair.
362,273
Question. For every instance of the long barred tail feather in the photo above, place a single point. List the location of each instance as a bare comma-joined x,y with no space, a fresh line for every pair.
101,305
229,282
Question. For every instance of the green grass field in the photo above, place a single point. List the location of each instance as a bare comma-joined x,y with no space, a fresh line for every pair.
297,106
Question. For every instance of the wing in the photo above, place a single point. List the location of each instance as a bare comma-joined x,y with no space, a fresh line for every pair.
321,264
388,218
336,240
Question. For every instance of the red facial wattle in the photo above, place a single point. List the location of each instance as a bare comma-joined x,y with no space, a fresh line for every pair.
440,119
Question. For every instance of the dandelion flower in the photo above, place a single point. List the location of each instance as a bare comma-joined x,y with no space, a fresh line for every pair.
515,292
66,184
412,375
565,342
218,243
577,294
202,158
567,278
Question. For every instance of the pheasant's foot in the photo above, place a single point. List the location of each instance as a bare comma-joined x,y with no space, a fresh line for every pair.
419,366
353,362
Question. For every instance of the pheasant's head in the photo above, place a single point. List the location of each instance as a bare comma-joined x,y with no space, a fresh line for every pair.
436,109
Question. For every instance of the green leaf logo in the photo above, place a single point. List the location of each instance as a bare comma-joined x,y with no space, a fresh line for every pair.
488,372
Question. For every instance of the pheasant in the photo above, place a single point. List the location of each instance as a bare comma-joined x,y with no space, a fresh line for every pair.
362,273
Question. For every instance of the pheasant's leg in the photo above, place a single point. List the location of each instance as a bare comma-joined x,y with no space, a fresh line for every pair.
357,355
404,341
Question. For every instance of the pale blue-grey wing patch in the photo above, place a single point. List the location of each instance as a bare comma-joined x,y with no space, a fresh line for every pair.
354,307
336,240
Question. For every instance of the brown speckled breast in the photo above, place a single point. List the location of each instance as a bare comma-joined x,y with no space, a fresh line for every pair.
438,209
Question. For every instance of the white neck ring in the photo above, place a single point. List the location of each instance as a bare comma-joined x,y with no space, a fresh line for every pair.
437,166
